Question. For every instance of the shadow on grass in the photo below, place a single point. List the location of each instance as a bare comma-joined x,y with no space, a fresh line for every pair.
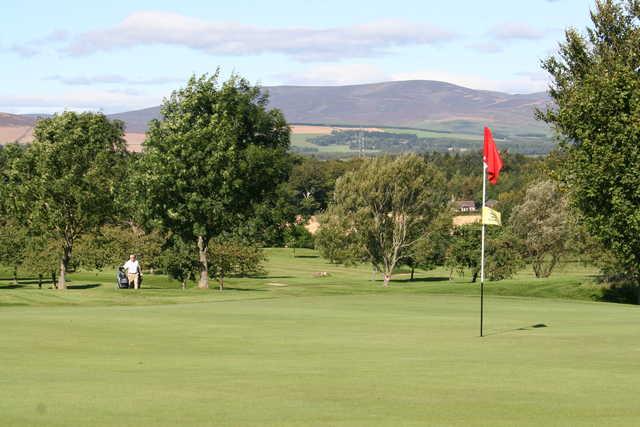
421,280
227,288
85,286
12,286
524,328
306,256
620,293
272,277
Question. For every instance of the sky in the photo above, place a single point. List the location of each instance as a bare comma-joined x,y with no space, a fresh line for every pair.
119,55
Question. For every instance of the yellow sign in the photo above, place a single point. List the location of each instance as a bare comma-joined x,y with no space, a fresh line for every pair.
490,217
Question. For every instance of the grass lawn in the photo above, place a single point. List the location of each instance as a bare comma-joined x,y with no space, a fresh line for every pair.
289,349
433,134
303,140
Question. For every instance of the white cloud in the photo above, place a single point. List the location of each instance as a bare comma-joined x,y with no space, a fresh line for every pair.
334,74
346,74
125,99
503,35
515,31
302,43
110,79
109,101
521,83
487,47
39,45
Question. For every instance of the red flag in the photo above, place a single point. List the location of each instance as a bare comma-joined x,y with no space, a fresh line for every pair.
491,157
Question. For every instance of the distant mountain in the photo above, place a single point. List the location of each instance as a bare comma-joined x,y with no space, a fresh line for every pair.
14,127
7,119
419,104
137,120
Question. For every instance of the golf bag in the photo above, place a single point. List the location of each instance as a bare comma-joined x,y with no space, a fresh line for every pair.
123,281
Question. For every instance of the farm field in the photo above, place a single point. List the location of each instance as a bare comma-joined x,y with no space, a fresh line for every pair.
291,349
302,142
302,139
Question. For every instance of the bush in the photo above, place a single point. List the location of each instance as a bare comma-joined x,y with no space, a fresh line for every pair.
231,257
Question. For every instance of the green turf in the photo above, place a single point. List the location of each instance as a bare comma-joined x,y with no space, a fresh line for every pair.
434,134
336,350
297,273
303,139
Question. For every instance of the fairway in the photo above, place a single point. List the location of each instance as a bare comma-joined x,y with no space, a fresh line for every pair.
360,357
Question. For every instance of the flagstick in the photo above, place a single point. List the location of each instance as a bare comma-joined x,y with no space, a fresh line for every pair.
484,195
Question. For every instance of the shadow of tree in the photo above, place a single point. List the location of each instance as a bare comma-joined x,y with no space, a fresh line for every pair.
11,286
421,280
623,293
227,288
84,286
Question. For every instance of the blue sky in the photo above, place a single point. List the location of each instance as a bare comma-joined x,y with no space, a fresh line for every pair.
121,55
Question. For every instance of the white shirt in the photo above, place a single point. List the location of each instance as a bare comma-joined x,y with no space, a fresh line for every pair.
132,267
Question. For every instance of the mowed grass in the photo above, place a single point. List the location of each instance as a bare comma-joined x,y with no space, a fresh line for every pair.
295,276
436,134
290,349
303,140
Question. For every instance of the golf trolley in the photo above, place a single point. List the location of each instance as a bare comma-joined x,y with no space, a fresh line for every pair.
122,281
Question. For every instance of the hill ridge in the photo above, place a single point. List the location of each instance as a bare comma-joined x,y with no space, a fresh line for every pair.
409,104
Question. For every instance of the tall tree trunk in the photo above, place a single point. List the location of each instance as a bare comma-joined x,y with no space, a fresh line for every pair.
412,270
550,266
536,269
203,283
474,277
221,281
64,265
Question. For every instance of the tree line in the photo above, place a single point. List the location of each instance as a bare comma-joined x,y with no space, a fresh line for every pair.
397,143
216,181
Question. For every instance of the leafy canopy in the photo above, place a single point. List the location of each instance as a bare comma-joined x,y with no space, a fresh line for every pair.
217,152
387,206
596,91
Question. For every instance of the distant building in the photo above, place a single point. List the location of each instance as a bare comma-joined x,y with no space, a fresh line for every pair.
491,203
466,206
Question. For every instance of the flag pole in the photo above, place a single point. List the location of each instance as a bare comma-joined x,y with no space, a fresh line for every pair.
484,196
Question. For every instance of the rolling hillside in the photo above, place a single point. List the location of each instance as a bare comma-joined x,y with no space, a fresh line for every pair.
418,104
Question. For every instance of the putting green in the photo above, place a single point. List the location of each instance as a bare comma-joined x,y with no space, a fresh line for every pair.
393,359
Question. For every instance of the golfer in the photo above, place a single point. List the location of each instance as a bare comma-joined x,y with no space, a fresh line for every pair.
132,267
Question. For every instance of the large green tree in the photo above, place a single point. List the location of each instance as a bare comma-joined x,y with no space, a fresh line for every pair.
387,206
178,260
502,257
541,222
431,251
215,156
13,243
65,183
111,245
232,257
596,93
